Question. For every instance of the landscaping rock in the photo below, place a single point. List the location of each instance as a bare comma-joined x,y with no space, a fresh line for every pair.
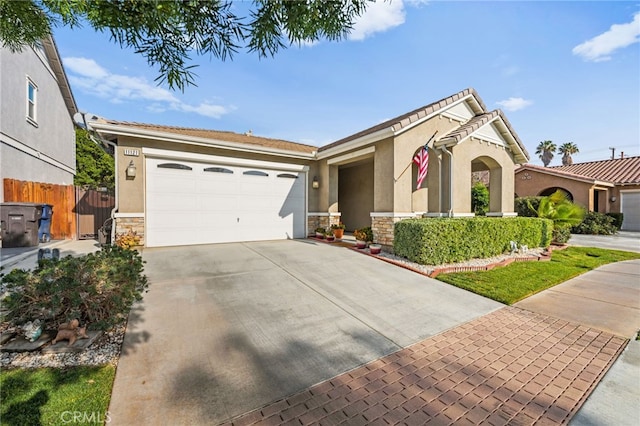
6,336
20,344
62,347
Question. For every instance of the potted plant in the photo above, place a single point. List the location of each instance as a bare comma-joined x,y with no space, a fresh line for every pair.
338,230
328,234
375,248
363,236
320,232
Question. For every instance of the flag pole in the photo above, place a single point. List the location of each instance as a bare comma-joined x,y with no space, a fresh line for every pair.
411,162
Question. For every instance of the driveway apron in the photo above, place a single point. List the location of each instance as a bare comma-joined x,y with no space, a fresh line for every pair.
231,327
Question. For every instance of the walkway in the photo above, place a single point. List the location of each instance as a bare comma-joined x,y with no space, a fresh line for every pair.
508,367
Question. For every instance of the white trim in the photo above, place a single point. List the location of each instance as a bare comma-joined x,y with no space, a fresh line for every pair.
385,133
357,143
433,114
630,190
392,214
463,215
352,156
435,214
501,214
4,138
231,161
324,214
128,215
194,140
32,120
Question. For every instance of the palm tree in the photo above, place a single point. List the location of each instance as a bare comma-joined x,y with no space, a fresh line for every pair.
545,150
567,149
562,212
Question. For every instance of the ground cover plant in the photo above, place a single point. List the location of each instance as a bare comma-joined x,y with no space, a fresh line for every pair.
523,279
97,289
53,396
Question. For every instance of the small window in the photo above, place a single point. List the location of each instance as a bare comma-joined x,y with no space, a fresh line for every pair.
287,176
255,173
218,170
32,98
174,166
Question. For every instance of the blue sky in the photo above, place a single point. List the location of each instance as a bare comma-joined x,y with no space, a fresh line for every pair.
564,71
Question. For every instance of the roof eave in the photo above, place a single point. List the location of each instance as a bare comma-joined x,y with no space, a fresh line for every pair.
119,130
51,50
357,143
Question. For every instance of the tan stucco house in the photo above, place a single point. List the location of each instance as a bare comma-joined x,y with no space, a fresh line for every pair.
606,186
179,186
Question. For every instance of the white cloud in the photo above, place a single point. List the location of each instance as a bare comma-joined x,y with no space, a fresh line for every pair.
90,77
514,104
601,47
378,17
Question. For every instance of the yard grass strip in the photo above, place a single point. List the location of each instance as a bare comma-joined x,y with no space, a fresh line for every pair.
520,280
56,396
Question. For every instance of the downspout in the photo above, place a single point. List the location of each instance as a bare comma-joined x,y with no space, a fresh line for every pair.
444,149
100,141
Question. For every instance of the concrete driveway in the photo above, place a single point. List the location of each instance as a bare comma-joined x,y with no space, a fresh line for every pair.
228,328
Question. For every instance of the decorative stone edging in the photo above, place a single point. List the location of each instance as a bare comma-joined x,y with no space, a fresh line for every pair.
544,257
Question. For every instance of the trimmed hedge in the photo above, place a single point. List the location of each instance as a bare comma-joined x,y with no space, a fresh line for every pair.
437,241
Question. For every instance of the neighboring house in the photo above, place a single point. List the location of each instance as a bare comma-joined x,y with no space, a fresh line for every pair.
179,186
37,137
600,186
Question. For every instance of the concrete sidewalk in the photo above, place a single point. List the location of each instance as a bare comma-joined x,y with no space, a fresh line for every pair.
608,299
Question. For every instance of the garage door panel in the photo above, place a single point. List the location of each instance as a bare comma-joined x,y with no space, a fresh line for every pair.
630,205
200,207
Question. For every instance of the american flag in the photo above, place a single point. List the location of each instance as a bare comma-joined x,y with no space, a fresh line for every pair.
422,161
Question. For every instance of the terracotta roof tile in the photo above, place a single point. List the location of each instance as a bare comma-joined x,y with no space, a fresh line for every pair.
619,170
404,120
553,171
222,136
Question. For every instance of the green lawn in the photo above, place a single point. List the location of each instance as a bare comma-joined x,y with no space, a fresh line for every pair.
522,279
55,396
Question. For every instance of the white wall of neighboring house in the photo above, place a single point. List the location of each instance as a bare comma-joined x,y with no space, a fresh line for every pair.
40,151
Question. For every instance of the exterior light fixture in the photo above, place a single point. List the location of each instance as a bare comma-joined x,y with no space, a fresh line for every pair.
613,199
315,184
131,170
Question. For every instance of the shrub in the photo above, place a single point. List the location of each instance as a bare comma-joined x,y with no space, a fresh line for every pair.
363,234
128,239
338,226
479,199
438,241
617,219
98,289
596,224
561,233
527,206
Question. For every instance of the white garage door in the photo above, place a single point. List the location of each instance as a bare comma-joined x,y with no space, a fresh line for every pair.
198,203
630,210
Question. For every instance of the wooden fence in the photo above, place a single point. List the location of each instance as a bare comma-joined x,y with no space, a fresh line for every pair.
77,213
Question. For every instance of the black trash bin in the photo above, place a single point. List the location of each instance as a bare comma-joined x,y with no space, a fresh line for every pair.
19,224
44,230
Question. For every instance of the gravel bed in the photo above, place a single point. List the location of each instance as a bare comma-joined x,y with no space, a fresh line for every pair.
105,350
428,269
